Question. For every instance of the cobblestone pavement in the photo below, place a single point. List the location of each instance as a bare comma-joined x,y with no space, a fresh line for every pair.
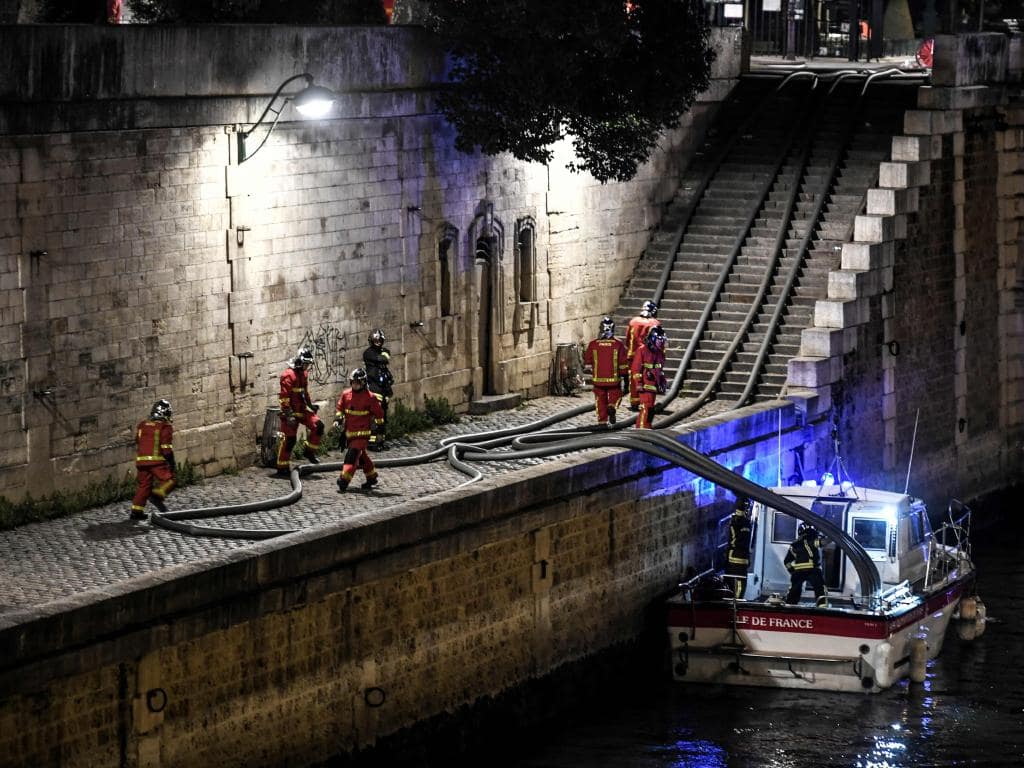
61,559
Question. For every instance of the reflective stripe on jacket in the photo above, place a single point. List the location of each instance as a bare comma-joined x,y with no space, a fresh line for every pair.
153,442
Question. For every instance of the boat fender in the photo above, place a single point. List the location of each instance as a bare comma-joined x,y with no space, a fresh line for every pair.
968,609
918,659
967,630
883,665
980,619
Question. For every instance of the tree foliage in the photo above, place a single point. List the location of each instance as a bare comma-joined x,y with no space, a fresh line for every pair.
612,75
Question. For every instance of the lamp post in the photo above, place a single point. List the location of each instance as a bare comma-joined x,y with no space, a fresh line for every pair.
313,101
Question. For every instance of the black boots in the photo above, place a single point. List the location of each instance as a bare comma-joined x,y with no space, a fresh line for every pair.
370,482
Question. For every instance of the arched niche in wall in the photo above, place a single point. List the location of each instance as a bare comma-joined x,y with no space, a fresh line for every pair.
526,310
486,237
446,261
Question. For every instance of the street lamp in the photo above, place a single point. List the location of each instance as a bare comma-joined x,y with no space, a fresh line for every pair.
313,101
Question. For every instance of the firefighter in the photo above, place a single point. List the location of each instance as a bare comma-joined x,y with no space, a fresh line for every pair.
803,561
358,411
297,408
737,554
636,334
376,361
607,359
648,376
154,460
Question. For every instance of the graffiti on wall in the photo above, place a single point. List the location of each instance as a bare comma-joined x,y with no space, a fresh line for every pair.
328,345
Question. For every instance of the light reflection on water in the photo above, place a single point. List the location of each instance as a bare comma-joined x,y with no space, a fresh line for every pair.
969,711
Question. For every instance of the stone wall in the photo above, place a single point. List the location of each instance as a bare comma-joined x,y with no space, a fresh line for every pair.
328,641
140,259
919,343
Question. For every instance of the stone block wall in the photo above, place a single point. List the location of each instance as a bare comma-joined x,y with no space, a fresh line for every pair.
300,649
923,328
140,259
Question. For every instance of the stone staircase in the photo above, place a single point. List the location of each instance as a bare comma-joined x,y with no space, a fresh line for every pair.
793,125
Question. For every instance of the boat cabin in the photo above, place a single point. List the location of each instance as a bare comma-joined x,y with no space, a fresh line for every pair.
893,528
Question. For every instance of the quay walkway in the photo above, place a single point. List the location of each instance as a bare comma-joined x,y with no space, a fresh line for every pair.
59,564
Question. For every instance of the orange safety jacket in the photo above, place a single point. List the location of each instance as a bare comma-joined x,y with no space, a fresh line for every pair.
294,394
636,333
360,409
609,360
154,443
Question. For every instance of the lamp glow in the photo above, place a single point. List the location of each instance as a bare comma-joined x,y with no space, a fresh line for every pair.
313,101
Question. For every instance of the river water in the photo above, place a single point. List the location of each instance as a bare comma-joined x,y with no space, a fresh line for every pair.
969,711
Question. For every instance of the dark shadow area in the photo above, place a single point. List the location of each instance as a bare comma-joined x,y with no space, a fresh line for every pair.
122,529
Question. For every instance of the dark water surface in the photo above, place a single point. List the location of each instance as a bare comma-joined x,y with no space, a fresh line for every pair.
969,712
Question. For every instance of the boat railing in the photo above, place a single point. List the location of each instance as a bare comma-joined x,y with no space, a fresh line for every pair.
949,548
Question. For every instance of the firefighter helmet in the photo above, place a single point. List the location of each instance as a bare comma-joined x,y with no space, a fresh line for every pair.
161,410
303,358
357,375
743,504
807,531
655,339
607,328
649,309
376,338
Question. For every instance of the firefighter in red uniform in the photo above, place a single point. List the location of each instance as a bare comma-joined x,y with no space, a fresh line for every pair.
606,357
359,410
297,408
647,373
154,460
636,334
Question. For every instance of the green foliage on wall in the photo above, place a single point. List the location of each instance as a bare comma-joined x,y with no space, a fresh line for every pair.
64,503
610,75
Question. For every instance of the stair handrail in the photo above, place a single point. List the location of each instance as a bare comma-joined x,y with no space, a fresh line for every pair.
780,305
698,194
730,261
695,404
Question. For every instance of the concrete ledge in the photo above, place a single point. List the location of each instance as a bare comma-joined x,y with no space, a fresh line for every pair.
851,284
965,97
912,149
827,342
888,202
868,255
841,314
877,229
814,372
928,122
899,175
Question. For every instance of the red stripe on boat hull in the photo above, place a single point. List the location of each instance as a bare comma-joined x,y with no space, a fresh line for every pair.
812,621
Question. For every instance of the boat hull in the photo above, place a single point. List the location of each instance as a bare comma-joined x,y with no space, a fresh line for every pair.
784,646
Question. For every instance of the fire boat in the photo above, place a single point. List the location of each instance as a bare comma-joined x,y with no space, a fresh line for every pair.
893,586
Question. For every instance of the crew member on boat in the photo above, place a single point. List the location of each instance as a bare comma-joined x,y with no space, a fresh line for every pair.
737,555
803,561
